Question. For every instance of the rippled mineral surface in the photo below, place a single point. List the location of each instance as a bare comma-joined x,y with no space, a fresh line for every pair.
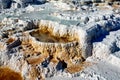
59,39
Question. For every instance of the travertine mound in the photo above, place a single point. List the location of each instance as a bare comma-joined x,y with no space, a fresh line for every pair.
49,42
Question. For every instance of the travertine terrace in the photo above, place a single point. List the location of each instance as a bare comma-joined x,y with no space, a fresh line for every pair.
55,44
60,39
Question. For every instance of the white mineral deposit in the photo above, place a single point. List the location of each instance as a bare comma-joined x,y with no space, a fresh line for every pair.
59,39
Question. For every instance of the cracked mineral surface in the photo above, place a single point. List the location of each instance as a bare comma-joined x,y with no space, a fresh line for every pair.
59,39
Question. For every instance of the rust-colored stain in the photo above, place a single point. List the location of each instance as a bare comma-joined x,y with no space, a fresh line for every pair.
8,74
76,68
10,40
